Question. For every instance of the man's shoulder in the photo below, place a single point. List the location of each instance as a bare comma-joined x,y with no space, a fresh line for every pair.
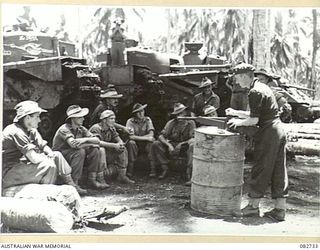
171,121
12,129
148,119
131,120
199,95
96,126
64,126
259,88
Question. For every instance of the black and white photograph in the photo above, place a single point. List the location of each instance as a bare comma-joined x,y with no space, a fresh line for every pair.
158,120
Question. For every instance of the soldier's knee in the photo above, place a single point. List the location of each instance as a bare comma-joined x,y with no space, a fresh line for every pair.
102,151
57,155
81,153
131,143
156,144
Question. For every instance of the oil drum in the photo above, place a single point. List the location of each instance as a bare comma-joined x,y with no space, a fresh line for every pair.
217,175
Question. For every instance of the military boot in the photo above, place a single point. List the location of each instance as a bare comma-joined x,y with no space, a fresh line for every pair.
92,181
153,172
123,178
101,180
276,214
67,179
130,169
164,172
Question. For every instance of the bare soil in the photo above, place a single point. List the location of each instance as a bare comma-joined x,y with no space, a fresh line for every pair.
163,206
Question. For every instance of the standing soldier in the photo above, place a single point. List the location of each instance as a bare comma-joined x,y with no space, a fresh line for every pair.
206,97
118,42
269,148
26,157
176,139
113,150
80,147
142,137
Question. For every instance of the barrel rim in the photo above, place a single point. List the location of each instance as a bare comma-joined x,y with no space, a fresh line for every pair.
222,135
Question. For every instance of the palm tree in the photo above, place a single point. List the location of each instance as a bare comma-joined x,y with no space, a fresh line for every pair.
232,33
260,30
281,49
315,46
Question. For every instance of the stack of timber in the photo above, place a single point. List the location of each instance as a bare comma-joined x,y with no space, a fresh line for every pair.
303,138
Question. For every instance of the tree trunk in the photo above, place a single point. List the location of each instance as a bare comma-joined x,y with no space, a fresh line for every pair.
261,42
304,147
314,51
168,31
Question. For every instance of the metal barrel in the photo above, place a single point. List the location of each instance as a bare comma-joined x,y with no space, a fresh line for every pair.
217,175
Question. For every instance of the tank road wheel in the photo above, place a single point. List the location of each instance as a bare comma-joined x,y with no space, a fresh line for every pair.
46,126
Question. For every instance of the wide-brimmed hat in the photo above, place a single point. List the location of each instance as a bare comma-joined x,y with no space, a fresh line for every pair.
110,93
76,111
209,110
138,107
262,72
178,108
205,83
275,76
242,68
106,114
26,108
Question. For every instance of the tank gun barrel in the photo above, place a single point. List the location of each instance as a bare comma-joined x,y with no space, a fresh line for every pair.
200,67
296,87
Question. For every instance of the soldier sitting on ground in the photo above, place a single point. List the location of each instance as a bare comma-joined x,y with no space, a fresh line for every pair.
109,101
26,156
176,139
143,136
206,97
210,111
113,150
80,147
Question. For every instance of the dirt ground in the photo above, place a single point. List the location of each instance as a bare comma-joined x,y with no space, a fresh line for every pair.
163,206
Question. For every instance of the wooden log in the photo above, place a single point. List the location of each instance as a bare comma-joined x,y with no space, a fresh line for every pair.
34,215
310,128
304,147
305,136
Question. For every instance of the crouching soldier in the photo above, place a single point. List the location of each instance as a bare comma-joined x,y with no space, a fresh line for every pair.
210,111
143,136
79,146
113,150
176,139
27,159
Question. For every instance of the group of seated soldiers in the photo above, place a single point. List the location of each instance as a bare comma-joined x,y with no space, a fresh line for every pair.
92,156
28,159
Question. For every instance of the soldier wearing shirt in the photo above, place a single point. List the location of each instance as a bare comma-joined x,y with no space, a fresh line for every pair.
206,97
109,101
118,42
176,139
112,149
26,156
269,147
80,147
142,137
